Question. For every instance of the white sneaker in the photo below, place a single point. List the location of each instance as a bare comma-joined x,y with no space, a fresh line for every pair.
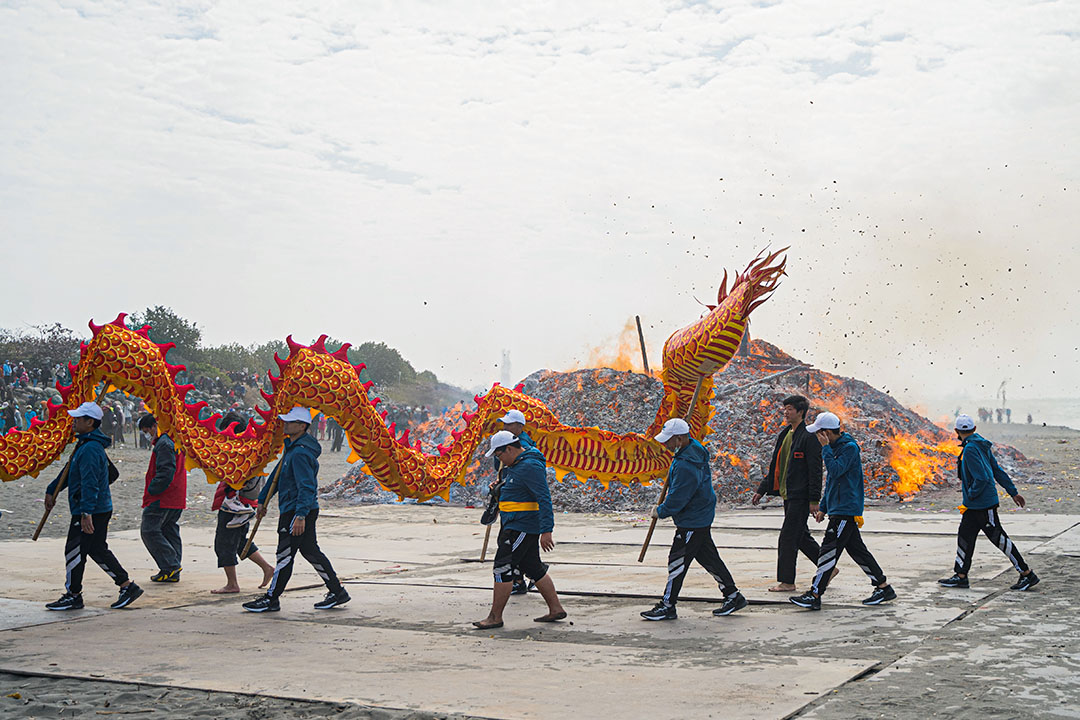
233,505
239,521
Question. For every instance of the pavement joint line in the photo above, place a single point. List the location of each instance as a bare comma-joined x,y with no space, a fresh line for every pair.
174,686
868,672
584,593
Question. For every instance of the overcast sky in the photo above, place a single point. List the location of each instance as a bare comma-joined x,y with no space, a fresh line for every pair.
456,178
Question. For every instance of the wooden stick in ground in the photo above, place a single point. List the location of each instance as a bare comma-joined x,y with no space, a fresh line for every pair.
641,339
663,490
258,521
64,473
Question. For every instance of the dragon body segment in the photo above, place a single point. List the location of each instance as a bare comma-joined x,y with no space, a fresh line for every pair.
313,377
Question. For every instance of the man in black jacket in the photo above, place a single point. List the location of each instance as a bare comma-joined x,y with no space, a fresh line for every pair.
795,475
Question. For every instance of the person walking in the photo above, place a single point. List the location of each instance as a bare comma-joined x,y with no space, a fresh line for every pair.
795,475
298,509
514,422
527,523
691,502
91,508
164,501
978,471
843,503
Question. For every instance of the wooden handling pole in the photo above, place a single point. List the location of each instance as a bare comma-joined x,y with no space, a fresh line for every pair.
487,532
663,490
64,473
258,521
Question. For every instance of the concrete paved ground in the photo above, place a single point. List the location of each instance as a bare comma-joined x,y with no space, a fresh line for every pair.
405,641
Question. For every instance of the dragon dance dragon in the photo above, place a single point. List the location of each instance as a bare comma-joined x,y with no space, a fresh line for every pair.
325,381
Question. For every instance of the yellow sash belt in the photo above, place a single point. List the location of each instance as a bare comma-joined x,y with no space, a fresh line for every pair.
509,506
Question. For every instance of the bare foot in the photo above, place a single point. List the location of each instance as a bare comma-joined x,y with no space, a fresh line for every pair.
782,587
225,590
488,624
268,575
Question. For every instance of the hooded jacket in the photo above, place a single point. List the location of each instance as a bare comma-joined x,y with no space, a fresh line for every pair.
978,470
691,500
844,488
88,476
525,487
803,470
297,487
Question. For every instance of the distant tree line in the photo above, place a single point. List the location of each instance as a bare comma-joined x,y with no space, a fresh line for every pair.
43,346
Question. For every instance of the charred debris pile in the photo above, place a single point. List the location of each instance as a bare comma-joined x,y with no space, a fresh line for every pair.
903,452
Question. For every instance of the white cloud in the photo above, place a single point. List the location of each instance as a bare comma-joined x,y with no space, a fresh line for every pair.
332,170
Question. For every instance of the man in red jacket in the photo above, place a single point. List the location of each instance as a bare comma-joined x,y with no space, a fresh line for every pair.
164,500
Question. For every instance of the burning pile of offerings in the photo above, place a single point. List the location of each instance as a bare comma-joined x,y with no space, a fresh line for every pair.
902,451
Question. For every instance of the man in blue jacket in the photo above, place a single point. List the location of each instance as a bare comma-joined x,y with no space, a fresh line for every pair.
843,503
978,470
527,521
514,422
691,502
298,508
91,507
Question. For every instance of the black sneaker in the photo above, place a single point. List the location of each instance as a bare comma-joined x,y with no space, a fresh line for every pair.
1026,582
880,595
67,601
166,576
807,600
520,588
263,603
332,599
955,582
128,594
734,601
661,612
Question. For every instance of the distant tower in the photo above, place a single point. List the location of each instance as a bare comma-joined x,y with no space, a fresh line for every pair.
504,376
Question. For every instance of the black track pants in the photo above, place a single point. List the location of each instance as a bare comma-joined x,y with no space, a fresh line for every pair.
695,544
95,545
843,534
308,546
794,537
989,522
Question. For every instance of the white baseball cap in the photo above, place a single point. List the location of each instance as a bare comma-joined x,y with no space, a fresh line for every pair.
500,439
513,416
824,421
673,427
964,423
87,409
297,414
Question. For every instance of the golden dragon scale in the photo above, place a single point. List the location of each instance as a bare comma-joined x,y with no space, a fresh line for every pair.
315,378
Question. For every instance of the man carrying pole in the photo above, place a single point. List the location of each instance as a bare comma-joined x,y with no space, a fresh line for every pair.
298,507
514,421
90,502
527,522
691,502
164,500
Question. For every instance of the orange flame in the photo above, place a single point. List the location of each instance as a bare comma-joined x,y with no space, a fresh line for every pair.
917,462
626,355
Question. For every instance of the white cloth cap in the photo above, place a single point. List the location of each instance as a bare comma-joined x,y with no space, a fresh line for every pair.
501,439
965,423
513,416
87,409
673,427
824,421
297,414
